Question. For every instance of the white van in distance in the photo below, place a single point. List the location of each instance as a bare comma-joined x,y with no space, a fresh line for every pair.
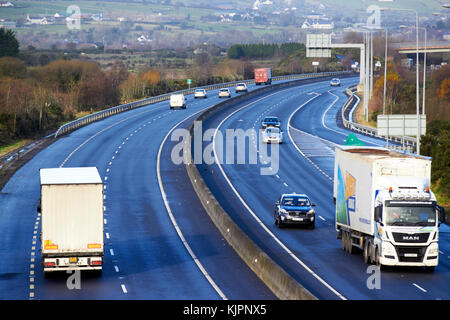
177,101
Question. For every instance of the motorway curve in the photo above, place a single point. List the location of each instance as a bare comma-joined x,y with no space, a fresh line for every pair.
306,165
145,257
159,241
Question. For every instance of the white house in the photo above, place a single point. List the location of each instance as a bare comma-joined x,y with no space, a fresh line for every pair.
7,24
317,22
6,4
38,20
143,39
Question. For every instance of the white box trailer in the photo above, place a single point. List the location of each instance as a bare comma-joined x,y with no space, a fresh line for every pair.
72,219
385,207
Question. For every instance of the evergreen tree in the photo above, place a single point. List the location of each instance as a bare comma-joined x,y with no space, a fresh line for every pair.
9,46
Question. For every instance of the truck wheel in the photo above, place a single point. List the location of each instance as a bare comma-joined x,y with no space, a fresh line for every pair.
345,241
366,253
351,248
377,260
349,243
343,237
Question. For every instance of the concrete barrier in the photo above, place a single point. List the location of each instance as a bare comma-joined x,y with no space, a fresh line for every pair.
274,276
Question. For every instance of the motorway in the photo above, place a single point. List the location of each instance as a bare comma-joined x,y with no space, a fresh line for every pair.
145,257
313,257
159,241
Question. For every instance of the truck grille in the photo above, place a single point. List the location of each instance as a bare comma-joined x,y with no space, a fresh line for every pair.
411,238
406,254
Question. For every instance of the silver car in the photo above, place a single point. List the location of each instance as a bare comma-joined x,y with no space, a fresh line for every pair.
272,135
200,93
335,82
224,93
241,87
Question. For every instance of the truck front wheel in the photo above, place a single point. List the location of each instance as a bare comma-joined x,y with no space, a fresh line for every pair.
378,259
366,252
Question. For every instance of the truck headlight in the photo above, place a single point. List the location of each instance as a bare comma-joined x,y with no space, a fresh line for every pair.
388,249
434,249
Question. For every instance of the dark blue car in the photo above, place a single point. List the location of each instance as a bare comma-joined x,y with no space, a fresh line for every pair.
270,121
294,209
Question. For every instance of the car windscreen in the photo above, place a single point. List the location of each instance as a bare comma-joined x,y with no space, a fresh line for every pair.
271,120
293,201
272,130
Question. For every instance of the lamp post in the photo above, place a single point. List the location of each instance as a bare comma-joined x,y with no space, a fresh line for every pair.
417,72
424,66
384,83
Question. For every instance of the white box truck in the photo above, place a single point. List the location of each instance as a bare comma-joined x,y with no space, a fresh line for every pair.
385,207
177,101
71,207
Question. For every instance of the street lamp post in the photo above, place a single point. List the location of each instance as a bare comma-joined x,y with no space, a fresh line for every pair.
417,72
384,84
424,66
371,65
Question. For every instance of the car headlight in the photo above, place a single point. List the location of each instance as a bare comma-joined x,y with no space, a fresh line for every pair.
311,211
283,211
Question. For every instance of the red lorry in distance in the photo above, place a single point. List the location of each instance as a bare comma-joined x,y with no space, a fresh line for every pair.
263,75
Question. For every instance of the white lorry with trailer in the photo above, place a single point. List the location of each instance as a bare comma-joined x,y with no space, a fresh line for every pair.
385,207
71,207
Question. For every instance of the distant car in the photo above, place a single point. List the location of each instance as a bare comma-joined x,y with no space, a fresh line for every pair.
272,135
270,121
241,87
225,92
200,93
294,209
335,82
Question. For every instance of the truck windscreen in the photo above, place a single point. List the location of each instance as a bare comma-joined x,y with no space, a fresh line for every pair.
410,216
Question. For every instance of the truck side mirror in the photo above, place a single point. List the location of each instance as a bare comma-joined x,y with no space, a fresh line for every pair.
441,214
378,214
